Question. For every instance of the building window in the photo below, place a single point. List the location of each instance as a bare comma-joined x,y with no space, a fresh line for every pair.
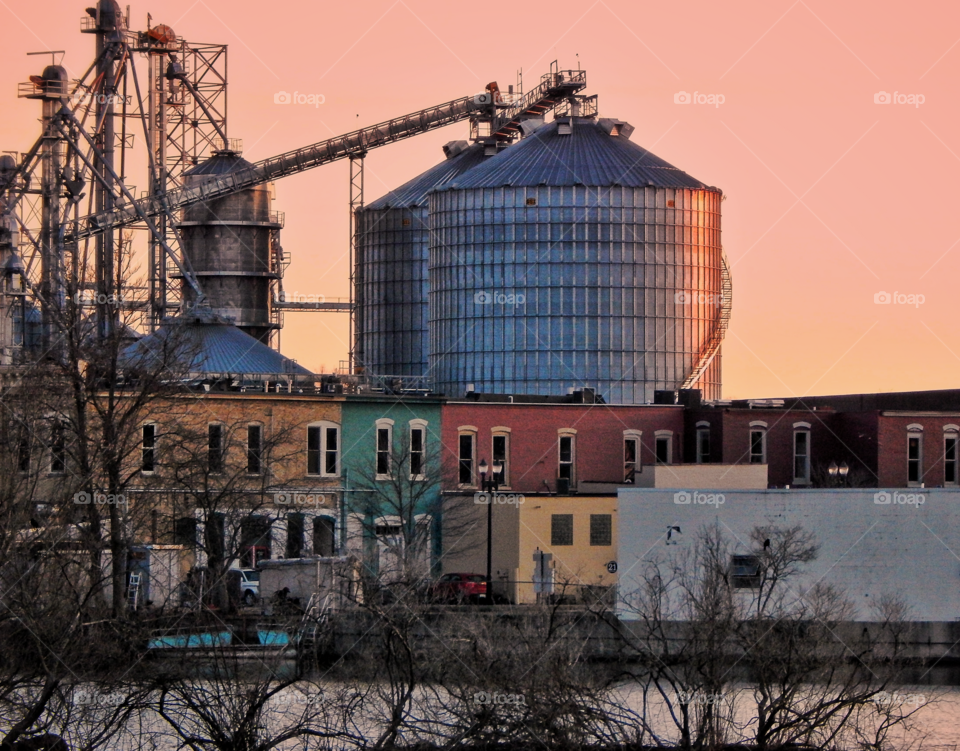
467,458
148,448
801,455
295,528
185,531
914,455
418,442
255,541
565,469
384,448
601,529
501,455
323,536
23,453
631,456
215,448
561,529
254,449
58,449
758,443
745,572
331,451
950,475
703,443
323,450
566,457
664,446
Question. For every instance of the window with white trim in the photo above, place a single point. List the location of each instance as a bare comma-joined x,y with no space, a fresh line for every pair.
467,456
58,448
801,454
323,449
254,449
384,433
632,465
914,454
758,442
566,455
501,455
148,448
215,448
418,443
951,434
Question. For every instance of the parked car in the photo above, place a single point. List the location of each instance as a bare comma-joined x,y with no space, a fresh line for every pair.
459,588
248,580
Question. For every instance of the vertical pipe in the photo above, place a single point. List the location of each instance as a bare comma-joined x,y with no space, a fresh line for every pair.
104,190
51,282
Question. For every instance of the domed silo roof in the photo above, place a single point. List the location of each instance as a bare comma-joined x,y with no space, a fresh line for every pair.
576,258
201,344
391,282
221,163
587,155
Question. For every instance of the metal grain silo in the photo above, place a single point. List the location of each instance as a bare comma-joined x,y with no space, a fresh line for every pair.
390,285
227,242
577,258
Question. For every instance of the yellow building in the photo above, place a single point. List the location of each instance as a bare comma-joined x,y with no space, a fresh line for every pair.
549,546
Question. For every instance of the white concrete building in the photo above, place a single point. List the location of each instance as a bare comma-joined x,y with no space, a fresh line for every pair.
872,542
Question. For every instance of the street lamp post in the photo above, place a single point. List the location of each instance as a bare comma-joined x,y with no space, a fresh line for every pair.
486,486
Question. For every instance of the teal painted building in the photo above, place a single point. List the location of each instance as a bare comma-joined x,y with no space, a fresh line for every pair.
391,501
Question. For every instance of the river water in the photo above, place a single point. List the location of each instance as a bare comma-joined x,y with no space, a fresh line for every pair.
936,727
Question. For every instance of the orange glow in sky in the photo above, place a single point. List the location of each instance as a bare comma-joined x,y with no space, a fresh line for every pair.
833,196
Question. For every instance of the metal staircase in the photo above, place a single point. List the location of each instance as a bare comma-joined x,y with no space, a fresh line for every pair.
712,346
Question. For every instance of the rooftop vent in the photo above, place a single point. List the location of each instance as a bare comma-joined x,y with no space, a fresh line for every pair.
616,128
565,127
527,127
451,149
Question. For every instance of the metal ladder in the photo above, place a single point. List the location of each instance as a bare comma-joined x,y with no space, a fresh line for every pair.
133,591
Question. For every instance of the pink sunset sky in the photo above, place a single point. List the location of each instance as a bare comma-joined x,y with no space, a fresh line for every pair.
831,198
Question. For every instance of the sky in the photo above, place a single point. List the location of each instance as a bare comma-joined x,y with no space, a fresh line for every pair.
830,127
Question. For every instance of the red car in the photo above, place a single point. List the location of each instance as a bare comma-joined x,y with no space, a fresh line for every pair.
459,588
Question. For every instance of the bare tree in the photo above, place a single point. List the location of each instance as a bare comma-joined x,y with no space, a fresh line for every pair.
717,642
